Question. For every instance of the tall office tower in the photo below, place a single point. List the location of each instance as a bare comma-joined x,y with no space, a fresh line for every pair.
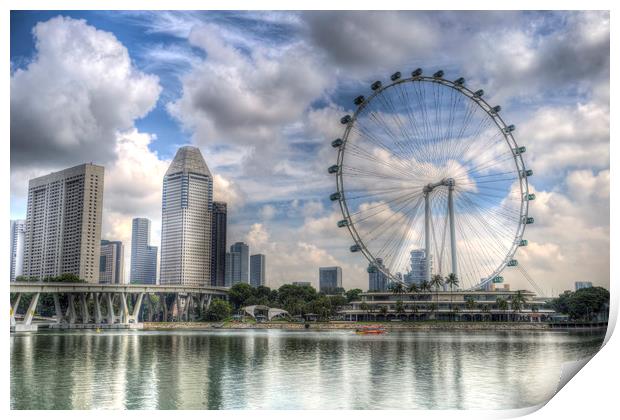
377,280
228,262
238,263
143,256
330,278
63,223
187,204
417,273
218,244
112,262
18,237
257,270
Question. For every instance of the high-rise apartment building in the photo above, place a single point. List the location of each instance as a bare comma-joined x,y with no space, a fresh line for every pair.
63,223
377,279
218,244
417,261
330,278
237,264
112,262
18,237
143,256
257,270
187,204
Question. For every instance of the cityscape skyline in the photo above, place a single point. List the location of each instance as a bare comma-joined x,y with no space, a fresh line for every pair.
140,138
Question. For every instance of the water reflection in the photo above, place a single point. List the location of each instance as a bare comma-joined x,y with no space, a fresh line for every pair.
289,370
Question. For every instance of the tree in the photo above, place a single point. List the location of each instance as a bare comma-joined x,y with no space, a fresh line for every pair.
518,301
413,288
400,307
436,282
432,308
365,307
502,304
425,286
219,310
584,304
240,293
470,303
397,288
353,294
452,281
66,278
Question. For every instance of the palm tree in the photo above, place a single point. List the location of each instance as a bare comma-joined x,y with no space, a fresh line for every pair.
436,282
400,308
502,304
453,281
432,308
397,288
365,307
413,288
518,301
470,303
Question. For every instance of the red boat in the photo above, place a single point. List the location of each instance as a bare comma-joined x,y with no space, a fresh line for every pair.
370,329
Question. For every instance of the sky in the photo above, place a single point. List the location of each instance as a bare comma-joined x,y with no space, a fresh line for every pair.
261,94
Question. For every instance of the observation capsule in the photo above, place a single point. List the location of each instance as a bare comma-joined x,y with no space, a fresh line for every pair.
355,248
438,74
523,242
359,100
498,279
527,172
496,109
519,150
512,263
478,93
395,76
530,197
417,72
529,220
335,196
337,143
460,81
345,120
371,269
343,223
333,169
376,85
509,129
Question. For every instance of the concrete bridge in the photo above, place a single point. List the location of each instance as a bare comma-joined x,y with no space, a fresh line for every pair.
91,305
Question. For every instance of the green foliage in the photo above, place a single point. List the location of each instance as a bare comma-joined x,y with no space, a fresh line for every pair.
219,310
584,304
240,293
400,307
63,278
353,294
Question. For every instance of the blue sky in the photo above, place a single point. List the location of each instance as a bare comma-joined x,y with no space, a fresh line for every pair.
261,94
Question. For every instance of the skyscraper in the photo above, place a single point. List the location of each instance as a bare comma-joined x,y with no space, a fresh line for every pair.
257,270
18,237
218,244
187,204
330,278
112,262
143,256
417,273
377,280
237,264
63,223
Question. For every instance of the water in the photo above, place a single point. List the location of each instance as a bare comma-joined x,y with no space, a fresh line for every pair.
273,369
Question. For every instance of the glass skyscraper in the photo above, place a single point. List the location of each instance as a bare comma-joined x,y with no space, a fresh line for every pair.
143,256
257,270
218,244
237,264
330,278
187,205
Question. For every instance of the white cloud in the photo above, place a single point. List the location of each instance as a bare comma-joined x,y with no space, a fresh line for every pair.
77,93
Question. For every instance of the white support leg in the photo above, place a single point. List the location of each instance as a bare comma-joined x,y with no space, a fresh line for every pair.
110,314
14,309
427,236
124,309
58,309
452,228
97,302
32,308
136,308
71,312
84,305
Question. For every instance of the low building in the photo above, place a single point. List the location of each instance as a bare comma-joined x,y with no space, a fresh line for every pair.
582,285
459,306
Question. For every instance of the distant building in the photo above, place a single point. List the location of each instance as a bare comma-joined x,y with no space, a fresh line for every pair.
63,223
143,256
112,262
257,270
302,283
330,278
237,264
18,237
187,205
417,267
377,279
582,285
218,244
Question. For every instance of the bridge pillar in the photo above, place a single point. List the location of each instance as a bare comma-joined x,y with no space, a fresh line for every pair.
58,309
84,305
136,308
124,309
14,309
31,309
110,314
71,312
97,301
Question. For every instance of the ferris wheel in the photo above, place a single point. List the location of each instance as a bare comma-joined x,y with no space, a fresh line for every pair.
430,180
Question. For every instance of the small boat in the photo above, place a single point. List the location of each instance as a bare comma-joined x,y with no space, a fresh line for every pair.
370,329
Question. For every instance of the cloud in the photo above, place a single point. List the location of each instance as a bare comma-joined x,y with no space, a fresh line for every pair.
79,91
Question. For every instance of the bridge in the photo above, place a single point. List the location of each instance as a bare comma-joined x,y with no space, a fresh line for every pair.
92,305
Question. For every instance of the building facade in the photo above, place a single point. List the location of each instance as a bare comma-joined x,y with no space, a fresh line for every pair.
417,267
112,262
330,278
187,204
377,279
18,238
257,270
143,268
237,264
218,244
302,283
582,285
63,223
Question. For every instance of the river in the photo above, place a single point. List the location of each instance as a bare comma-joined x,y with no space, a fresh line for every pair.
275,369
